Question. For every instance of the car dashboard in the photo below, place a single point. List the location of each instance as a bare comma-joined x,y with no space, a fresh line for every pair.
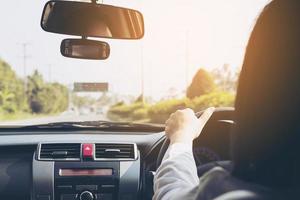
74,166
64,164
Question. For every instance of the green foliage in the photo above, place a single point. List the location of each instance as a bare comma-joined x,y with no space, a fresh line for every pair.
202,93
82,101
60,94
104,100
160,111
45,97
125,111
40,97
202,83
11,90
215,99
118,104
140,113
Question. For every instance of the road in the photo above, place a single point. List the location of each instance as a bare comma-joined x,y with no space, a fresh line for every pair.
59,118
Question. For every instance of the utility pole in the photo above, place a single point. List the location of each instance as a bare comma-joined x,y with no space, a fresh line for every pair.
70,96
142,74
25,56
50,72
186,59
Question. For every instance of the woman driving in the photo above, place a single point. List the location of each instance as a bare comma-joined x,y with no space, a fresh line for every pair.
266,137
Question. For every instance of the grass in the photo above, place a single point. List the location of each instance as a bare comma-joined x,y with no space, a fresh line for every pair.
19,116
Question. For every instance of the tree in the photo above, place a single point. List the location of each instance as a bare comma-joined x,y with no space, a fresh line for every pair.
225,78
6,98
82,101
45,97
202,83
39,97
35,92
11,90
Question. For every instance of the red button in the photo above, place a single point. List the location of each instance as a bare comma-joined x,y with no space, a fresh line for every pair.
87,150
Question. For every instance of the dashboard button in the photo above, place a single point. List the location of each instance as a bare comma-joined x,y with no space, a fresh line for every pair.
68,196
87,150
65,187
87,187
104,196
107,186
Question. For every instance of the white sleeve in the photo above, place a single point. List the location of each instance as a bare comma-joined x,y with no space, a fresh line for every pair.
176,178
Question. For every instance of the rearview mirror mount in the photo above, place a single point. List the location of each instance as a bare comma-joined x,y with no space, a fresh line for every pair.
85,49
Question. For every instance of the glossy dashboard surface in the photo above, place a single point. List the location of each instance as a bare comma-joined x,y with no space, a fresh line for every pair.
17,150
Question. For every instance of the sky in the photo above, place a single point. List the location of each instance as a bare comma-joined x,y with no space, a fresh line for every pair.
181,36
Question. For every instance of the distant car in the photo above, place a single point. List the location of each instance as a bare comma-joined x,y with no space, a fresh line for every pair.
99,111
84,111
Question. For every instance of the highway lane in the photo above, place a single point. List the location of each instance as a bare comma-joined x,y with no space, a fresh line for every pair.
59,118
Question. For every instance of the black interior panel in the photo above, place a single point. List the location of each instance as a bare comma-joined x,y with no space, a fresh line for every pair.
15,172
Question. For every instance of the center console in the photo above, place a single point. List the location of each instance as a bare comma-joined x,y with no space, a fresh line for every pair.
86,171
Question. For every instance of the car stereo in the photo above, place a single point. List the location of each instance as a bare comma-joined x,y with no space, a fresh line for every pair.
75,171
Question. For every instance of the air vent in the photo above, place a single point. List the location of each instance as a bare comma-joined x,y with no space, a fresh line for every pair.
116,151
59,151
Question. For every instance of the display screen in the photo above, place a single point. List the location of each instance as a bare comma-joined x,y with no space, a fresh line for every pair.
86,172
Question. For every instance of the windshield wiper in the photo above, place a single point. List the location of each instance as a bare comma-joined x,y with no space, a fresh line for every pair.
107,125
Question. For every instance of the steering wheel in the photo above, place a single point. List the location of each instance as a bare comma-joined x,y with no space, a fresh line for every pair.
219,115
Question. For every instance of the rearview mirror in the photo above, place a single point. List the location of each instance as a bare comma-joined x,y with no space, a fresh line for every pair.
85,49
92,20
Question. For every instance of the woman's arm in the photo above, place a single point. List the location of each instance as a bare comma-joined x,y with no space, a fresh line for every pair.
177,174
177,178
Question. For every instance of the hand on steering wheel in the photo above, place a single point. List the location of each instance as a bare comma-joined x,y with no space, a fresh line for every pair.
219,115
183,126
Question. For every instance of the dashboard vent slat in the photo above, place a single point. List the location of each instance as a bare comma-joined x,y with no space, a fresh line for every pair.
60,151
115,151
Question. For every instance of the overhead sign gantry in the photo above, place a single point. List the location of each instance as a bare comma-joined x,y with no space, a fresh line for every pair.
90,87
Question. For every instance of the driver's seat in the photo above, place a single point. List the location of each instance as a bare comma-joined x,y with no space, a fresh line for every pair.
231,188
256,195
242,195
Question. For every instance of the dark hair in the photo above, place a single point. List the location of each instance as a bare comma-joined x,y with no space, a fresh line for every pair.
266,138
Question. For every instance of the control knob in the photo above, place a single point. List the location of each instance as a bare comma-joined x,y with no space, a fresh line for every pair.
86,195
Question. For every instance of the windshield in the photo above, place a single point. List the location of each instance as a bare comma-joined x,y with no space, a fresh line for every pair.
190,56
